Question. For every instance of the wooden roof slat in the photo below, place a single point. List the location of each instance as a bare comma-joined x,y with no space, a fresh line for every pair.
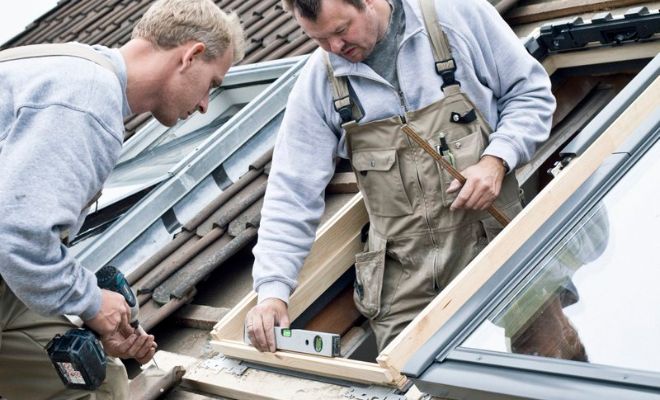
560,8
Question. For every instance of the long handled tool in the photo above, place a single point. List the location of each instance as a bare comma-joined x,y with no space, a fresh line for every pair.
497,214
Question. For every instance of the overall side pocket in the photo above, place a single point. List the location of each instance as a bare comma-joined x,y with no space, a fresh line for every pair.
369,270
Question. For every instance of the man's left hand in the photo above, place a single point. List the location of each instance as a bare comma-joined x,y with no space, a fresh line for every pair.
482,185
137,345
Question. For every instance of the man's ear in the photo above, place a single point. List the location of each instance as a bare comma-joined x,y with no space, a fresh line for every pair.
192,51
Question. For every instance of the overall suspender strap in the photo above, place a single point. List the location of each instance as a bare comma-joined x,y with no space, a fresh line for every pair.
55,50
444,62
341,98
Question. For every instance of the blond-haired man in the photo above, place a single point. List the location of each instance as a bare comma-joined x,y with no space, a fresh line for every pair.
61,133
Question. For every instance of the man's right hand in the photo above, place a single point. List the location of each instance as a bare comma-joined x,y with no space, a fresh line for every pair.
114,316
261,320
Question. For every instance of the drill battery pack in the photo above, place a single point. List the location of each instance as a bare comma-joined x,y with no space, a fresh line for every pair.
78,358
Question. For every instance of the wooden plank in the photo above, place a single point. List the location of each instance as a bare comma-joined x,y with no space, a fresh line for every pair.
353,339
466,284
340,368
337,317
261,385
601,55
252,384
200,317
166,360
561,8
181,394
333,252
343,182
257,384
152,382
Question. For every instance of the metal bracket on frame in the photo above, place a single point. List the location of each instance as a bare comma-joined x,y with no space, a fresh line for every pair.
373,393
222,363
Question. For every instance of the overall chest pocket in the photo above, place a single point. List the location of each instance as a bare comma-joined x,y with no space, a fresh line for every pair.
379,178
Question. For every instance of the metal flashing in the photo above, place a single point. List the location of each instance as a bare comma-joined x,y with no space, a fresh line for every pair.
463,380
227,140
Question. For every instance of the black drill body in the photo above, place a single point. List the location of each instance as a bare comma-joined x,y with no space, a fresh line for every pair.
77,355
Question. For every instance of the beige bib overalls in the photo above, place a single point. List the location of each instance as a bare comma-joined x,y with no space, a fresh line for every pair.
26,372
416,245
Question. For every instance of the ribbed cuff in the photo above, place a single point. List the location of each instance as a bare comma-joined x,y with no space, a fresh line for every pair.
502,149
274,289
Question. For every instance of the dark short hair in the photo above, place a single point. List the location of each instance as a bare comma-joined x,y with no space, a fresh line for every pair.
310,9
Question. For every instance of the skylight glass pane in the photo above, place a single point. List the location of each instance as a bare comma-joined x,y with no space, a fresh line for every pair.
595,297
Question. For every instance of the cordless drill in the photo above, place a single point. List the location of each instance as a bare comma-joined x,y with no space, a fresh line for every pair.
77,355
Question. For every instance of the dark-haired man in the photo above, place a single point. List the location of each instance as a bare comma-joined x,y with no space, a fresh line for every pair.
465,82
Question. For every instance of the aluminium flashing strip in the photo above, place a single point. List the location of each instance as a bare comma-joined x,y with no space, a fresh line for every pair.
228,139
262,71
186,209
234,168
457,379
448,335
556,366
236,76
545,372
612,111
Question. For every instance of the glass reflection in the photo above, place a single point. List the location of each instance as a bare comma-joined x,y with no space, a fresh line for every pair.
594,297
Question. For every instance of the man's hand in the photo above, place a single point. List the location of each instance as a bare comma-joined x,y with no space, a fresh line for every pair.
482,185
137,345
261,320
113,316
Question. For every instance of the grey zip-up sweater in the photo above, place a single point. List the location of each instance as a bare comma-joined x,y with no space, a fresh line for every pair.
61,132
509,87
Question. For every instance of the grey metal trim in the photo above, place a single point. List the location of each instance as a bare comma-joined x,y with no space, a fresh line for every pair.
612,111
455,379
555,366
236,76
263,71
228,139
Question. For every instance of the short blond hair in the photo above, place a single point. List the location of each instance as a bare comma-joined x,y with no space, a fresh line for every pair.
171,23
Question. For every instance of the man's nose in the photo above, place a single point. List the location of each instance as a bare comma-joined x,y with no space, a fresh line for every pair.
336,45
204,104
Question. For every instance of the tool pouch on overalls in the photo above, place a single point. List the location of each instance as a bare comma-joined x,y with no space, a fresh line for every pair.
55,50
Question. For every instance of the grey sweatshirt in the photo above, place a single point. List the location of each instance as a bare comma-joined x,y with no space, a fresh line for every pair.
510,88
61,132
